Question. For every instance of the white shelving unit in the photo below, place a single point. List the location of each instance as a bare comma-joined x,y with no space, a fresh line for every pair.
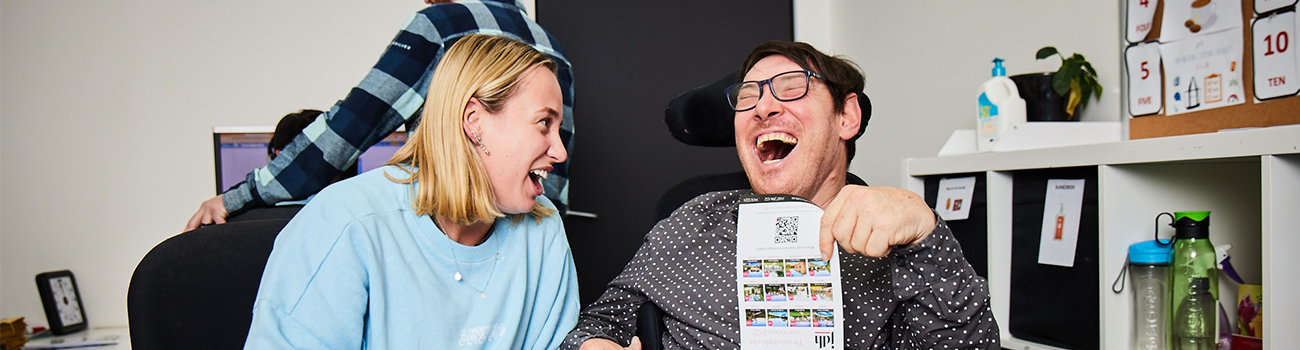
1249,179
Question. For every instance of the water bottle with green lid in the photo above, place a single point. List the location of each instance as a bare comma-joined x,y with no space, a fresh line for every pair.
1192,258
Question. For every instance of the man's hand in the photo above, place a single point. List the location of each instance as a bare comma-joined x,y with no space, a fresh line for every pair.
606,344
212,211
872,220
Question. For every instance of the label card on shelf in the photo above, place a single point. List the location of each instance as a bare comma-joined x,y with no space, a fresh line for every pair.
1061,210
1144,78
1272,39
1204,72
1189,18
1262,6
954,199
1141,14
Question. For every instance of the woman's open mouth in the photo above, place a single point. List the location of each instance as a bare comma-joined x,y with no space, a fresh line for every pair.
774,147
537,175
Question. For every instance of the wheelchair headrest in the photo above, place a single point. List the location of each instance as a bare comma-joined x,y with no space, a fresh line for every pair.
702,117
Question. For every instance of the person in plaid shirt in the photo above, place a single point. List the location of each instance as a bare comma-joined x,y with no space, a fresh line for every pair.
389,96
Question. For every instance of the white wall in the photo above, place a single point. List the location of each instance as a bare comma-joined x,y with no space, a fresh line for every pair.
82,82
924,60
106,112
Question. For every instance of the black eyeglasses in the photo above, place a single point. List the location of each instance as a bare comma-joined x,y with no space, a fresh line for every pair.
788,86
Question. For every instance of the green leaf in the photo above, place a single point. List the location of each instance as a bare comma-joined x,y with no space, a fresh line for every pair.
1045,52
1060,83
1088,68
1071,68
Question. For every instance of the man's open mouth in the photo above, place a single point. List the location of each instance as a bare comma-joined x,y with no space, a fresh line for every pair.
774,147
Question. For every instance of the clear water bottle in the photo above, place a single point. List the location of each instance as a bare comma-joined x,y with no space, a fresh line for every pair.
1195,319
1148,271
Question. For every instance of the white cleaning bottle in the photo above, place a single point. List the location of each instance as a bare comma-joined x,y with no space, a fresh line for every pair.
1000,106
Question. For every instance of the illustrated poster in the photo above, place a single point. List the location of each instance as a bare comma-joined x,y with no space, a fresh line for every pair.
1203,72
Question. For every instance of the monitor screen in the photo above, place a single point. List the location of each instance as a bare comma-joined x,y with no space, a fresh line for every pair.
239,151
378,154
237,155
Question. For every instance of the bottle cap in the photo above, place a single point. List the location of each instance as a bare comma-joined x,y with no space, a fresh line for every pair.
1194,215
1191,224
1149,252
998,70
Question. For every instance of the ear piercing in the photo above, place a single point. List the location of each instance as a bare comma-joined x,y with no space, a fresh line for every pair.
480,143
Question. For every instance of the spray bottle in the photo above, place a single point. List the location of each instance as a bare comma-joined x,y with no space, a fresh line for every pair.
1000,106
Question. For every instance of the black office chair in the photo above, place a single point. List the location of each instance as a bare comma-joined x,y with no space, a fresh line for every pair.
195,290
702,117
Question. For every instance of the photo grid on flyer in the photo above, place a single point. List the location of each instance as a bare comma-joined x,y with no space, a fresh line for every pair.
789,297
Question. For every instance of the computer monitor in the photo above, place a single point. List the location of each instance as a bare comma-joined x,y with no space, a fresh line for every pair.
379,154
240,150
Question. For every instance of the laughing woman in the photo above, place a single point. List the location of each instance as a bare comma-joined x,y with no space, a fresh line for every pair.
451,245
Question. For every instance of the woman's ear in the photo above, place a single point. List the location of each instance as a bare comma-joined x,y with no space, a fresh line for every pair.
473,113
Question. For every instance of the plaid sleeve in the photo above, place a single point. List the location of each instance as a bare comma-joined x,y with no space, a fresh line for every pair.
389,96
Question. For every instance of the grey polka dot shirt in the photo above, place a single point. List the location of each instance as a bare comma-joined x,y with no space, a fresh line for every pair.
921,297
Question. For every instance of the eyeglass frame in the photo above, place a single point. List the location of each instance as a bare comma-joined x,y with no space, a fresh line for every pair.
808,75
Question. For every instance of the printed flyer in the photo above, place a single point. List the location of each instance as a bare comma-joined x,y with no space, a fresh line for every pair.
789,297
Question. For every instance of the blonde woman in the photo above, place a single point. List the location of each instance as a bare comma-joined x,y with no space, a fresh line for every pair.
451,245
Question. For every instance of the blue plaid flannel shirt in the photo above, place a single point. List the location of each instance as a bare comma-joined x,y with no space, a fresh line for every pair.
390,95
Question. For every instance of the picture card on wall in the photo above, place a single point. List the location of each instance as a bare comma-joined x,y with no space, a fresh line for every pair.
1141,15
1144,78
1272,40
1203,72
1189,18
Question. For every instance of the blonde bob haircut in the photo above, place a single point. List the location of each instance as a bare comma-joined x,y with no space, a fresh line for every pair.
446,173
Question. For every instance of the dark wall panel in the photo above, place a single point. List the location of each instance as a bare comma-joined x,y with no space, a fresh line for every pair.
629,59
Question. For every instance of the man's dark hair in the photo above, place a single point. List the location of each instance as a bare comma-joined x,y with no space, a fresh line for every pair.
842,77
288,128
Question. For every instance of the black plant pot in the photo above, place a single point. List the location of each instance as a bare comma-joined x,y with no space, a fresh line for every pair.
1042,104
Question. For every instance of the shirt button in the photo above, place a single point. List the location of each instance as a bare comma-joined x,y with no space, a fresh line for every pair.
900,262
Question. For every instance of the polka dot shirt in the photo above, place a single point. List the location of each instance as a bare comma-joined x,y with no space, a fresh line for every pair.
921,297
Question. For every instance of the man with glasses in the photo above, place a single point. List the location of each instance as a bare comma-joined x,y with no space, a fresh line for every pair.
906,283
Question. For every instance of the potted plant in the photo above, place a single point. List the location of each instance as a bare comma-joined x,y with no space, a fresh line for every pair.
1060,95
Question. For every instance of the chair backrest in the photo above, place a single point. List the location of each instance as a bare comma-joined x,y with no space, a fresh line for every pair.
195,290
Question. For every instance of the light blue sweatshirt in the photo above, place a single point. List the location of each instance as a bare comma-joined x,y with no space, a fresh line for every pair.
357,269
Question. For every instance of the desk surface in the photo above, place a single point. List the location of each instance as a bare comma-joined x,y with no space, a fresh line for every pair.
121,334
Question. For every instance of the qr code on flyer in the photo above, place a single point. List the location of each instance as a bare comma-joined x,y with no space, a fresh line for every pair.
787,229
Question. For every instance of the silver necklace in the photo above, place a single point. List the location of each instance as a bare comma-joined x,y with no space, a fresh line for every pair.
495,257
